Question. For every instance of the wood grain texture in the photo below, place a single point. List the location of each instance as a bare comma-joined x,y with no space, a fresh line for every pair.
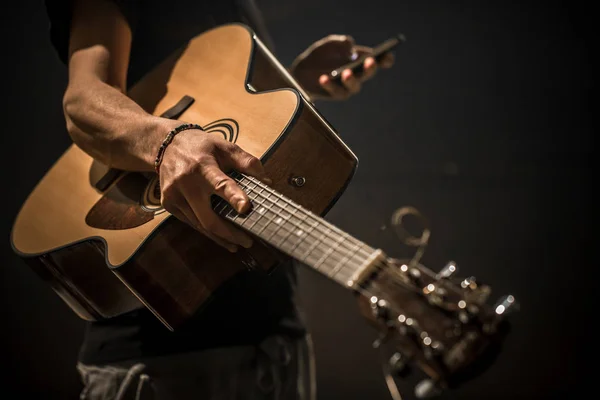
212,69
159,262
192,267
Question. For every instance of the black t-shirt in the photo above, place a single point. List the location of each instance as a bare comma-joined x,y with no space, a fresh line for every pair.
250,306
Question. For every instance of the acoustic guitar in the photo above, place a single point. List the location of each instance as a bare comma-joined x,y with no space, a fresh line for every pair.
100,237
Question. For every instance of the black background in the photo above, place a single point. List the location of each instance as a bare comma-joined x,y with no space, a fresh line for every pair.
484,124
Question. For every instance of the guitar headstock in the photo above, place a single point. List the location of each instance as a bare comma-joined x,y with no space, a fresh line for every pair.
439,322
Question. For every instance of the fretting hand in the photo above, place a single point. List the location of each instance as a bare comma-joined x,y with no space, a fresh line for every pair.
192,171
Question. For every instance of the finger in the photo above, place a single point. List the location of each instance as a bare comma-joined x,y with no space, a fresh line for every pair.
370,67
210,221
350,81
243,162
333,89
387,60
224,186
185,214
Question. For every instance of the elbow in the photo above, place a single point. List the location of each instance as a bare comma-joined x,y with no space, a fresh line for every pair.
70,103
79,129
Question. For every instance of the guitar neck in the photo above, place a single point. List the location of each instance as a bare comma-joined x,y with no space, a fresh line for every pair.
297,232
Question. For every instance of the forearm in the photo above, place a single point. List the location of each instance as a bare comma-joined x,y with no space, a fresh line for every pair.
111,127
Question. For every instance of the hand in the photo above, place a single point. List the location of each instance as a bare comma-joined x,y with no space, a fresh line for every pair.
191,171
311,68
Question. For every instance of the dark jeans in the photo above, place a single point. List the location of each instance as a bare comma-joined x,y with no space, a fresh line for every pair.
279,368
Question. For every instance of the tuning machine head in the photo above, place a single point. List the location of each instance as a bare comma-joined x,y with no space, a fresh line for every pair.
439,322
449,269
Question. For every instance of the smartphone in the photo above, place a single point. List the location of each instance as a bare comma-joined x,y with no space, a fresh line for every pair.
357,65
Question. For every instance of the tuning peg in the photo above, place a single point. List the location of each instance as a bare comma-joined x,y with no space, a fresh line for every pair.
427,389
399,364
505,305
383,337
379,308
469,283
448,270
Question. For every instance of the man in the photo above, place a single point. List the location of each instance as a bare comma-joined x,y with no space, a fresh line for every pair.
264,351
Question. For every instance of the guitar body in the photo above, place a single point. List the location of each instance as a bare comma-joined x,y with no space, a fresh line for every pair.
102,239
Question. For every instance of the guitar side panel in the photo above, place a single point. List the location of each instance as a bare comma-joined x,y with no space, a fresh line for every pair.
177,270
80,277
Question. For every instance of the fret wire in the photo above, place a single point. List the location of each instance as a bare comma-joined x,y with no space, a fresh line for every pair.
280,225
320,239
290,202
329,251
344,273
256,195
308,251
312,247
308,232
340,264
274,203
318,220
383,263
267,207
361,290
290,221
225,205
332,228
306,212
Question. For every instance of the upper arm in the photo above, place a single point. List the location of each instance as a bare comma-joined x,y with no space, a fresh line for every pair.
100,42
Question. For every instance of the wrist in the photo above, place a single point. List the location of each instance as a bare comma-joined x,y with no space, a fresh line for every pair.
158,130
168,139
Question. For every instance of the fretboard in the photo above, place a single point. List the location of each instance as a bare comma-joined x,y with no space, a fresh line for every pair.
297,232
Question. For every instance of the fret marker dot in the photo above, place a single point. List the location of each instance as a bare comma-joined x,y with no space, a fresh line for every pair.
278,220
299,232
261,210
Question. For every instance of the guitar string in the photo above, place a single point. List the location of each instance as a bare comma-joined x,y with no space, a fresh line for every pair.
306,213
396,274
375,289
306,232
374,285
398,277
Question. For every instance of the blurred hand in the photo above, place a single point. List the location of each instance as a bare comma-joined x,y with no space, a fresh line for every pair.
311,68
192,170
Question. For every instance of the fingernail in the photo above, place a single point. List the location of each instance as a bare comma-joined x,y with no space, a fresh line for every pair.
323,79
268,181
346,74
247,244
232,249
240,204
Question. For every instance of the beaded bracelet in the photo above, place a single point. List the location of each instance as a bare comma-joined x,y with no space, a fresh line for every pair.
168,140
